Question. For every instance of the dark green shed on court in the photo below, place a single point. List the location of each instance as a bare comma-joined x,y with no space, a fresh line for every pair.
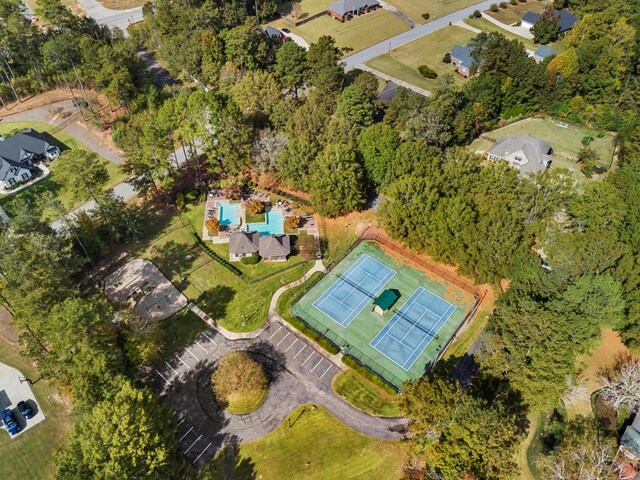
385,301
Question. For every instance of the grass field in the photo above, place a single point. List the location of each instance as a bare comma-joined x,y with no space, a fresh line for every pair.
121,4
486,26
316,447
435,8
363,394
513,13
366,325
358,33
31,455
403,61
307,7
50,183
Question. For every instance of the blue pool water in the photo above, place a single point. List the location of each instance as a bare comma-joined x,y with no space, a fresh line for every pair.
274,224
228,214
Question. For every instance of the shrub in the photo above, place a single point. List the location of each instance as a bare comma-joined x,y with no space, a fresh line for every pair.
213,225
446,58
191,195
518,23
427,72
504,4
426,16
494,7
477,14
375,379
307,245
587,140
292,222
252,260
254,207
179,201
236,373
588,159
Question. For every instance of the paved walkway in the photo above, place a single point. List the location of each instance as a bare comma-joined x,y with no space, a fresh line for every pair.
398,13
300,374
397,81
520,31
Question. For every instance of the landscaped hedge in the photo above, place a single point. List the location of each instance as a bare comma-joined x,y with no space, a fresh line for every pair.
313,335
252,260
372,377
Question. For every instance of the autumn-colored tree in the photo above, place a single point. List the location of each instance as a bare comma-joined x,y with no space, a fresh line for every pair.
213,225
237,374
308,246
254,207
292,222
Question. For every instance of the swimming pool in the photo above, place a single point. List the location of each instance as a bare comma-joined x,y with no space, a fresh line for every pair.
274,224
228,213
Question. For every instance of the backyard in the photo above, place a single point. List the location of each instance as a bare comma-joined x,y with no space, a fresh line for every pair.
435,8
514,13
51,182
357,34
307,8
338,452
429,50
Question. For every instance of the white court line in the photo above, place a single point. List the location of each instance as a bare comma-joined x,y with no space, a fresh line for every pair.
285,337
275,333
185,363
319,362
294,342
205,350
168,382
174,370
190,353
210,339
188,431
197,440
198,457
308,358
181,422
325,372
303,347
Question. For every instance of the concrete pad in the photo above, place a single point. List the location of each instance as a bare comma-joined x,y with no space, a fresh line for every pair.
12,391
142,285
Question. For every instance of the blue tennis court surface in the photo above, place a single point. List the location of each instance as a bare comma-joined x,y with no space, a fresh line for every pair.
348,295
413,327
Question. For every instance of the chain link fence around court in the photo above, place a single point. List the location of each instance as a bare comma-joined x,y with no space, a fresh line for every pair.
349,350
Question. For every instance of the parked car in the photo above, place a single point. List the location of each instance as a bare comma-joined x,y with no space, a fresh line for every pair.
9,422
25,410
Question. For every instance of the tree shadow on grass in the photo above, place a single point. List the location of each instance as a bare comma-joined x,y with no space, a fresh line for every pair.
216,300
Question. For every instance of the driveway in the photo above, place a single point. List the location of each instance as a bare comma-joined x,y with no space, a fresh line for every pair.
14,387
113,18
367,54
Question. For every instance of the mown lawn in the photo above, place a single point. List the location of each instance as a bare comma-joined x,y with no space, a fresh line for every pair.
363,394
435,8
51,183
357,34
307,7
486,26
317,446
514,13
429,50
31,455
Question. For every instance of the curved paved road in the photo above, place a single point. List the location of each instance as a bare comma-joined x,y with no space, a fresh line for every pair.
112,18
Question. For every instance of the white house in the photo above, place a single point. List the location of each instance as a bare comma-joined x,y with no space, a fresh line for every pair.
19,155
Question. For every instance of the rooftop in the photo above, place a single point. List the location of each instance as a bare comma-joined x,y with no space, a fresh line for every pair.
243,242
386,299
463,54
275,245
528,154
343,6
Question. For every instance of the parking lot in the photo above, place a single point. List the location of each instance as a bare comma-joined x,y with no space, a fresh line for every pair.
14,387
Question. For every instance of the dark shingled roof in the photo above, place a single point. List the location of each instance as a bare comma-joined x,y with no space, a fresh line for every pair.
243,242
566,20
275,246
631,436
543,52
343,6
272,32
389,92
12,150
463,54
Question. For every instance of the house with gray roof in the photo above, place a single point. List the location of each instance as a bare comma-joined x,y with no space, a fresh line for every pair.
566,20
461,58
19,155
630,441
543,52
523,152
347,9
243,244
275,248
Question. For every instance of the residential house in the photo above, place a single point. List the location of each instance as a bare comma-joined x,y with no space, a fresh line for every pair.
461,58
275,34
630,441
275,248
243,244
525,153
388,93
566,20
19,155
543,52
347,9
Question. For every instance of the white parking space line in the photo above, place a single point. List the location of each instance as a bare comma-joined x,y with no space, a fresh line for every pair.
191,353
289,348
303,347
198,457
168,382
275,333
308,358
181,422
205,350
174,370
185,363
325,372
316,366
210,339
188,431
197,440
283,339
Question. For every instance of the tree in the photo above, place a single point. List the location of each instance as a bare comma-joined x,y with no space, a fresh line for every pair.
267,148
546,28
355,105
292,222
256,94
129,436
291,65
588,159
621,383
324,71
377,145
336,182
308,246
83,173
213,225
254,207
368,83
236,374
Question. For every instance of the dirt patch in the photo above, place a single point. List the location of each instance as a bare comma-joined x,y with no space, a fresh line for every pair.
35,101
7,330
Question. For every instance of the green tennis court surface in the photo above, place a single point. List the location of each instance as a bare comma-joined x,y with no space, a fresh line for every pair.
407,341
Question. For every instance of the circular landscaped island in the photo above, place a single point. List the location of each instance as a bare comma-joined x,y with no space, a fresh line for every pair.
239,383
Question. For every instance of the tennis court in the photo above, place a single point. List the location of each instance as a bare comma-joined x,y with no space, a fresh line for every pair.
348,295
413,327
